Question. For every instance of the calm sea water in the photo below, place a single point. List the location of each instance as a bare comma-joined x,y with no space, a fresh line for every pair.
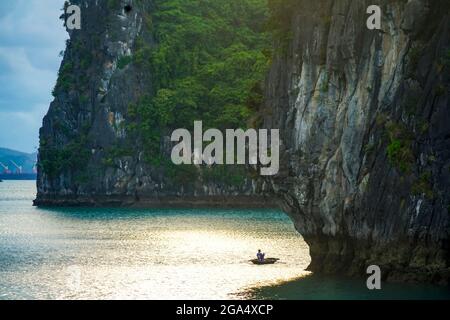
160,254
139,254
313,287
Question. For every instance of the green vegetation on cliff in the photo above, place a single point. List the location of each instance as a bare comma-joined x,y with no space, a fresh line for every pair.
399,150
208,63
199,60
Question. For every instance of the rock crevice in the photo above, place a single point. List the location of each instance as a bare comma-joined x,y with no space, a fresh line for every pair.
363,116
365,145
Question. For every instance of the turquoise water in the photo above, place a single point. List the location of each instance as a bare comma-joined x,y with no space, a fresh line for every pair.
83,253
139,254
313,287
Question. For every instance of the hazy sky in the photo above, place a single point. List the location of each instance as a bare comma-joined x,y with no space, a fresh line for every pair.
31,37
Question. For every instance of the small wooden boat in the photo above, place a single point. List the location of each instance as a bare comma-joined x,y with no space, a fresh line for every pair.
266,261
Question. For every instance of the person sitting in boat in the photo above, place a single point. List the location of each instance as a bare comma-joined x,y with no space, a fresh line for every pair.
260,256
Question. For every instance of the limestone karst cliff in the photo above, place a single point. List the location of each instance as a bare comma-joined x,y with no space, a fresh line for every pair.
365,114
364,118
103,141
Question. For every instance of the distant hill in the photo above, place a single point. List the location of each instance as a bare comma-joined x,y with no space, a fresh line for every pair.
26,160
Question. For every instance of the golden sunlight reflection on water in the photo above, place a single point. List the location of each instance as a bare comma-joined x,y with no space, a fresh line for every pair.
140,254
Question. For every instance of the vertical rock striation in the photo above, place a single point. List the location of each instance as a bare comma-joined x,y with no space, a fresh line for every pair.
364,118
86,156
366,137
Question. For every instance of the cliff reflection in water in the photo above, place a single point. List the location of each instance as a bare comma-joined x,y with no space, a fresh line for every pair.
315,287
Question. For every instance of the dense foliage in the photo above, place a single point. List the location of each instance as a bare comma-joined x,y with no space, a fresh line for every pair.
208,64
204,59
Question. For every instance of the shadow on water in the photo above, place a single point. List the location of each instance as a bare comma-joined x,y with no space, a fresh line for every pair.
37,243
103,213
315,287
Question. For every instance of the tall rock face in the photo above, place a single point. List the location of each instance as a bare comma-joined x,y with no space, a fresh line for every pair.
87,156
365,120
